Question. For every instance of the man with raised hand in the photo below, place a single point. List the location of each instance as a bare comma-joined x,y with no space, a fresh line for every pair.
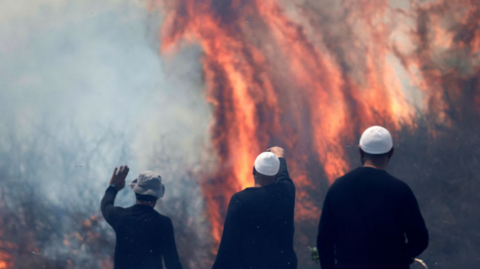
370,219
144,236
258,230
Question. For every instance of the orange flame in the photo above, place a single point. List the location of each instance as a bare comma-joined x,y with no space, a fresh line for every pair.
6,259
311,77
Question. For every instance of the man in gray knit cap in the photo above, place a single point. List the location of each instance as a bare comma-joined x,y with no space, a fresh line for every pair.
144,236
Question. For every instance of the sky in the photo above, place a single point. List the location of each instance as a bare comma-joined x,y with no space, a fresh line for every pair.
82,90
88,68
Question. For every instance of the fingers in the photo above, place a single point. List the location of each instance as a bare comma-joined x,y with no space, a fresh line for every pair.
123,171
278,151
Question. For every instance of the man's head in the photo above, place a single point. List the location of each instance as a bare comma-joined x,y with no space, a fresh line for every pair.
376,147
148,188
266,168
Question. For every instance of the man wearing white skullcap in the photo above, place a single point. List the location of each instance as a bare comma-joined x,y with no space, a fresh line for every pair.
370,219
144,236
258,230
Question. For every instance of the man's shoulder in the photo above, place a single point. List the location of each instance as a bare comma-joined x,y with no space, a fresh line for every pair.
156,215
400,185
248,194
397,180
119,211
346,178
352,173
161,220
362,172
243,195
161,217
258,194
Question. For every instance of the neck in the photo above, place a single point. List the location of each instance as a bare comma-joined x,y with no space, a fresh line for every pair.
379,166
151,204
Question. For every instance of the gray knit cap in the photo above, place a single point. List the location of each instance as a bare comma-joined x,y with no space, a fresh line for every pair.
148,183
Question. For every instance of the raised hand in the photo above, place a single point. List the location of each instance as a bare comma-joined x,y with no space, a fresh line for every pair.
119,176
278,151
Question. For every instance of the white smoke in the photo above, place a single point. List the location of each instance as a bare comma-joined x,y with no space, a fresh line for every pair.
82,90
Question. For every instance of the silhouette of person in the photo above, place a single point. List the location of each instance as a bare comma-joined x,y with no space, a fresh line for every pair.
144,236
370,219
258,230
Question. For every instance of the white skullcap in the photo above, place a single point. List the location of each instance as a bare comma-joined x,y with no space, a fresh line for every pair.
148,183
376,140
267,164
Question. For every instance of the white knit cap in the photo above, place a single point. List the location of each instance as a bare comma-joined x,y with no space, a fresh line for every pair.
376,140
148,183
267,164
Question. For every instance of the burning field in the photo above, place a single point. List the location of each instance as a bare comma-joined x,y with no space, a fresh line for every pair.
309,76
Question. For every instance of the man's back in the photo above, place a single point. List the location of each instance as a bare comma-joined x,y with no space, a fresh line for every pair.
367,214
143,236
259,227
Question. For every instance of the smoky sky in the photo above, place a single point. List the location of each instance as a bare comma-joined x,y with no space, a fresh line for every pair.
90,68
82,90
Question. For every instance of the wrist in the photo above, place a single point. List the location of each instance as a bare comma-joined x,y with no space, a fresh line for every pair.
113,186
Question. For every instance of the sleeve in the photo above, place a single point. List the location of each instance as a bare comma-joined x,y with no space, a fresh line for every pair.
326,235
414,226
109,211
283,177
228,252
169,251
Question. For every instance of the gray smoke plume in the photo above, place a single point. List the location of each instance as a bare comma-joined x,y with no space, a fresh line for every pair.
82,90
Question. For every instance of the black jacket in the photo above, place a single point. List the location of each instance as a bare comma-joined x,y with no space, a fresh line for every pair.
370,219
258,231
144,236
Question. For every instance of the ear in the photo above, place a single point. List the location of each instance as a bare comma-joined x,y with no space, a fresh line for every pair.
361,152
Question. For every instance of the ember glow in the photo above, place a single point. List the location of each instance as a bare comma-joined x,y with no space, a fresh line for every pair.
311,75
6,259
